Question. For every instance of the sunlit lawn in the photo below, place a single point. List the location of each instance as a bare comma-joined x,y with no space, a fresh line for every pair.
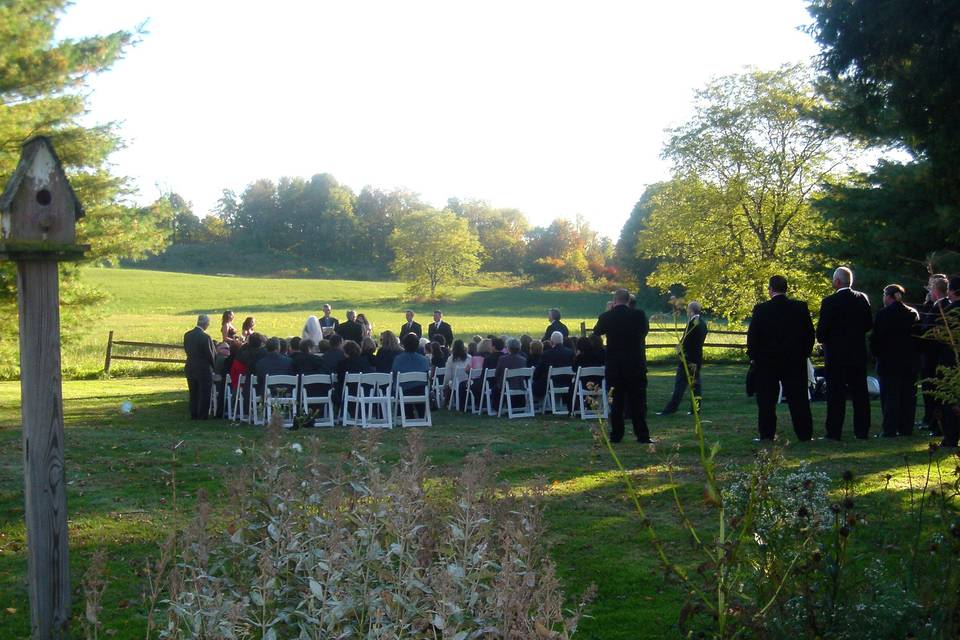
119,471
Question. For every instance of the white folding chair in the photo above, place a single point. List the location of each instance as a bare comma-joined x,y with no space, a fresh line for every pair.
486,392
551,400
214,396
439,375
253,413
522,388
403,399
241,406
227,398
327,416
472,403
376,397
590,399
351,397
280,394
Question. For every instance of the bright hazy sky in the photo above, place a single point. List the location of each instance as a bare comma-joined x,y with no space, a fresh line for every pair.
554,107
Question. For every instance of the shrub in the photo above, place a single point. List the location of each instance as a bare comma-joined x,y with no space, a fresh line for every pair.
359,550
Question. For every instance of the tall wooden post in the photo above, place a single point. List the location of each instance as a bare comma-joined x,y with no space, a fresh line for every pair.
38,213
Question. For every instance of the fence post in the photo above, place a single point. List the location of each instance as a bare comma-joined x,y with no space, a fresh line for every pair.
106,364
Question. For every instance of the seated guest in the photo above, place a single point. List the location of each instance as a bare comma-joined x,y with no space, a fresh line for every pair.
351,363
246,329
251,351
496,351
513,360
555,325
534,353
323,346
272,363
368,351
284,347
293,345
556,356
438,353
587,356
411,361
389,348
598,348
484,348
335,353
477,339
312,330
351,329
306,362
525,341
457,371
424,344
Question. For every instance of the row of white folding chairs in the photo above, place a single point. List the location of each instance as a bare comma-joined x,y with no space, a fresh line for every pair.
368,399
590,401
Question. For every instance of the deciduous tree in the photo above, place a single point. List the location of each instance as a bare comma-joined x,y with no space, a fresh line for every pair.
434,248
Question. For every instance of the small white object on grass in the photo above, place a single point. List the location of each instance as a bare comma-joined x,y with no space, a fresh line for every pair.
296,446
126,407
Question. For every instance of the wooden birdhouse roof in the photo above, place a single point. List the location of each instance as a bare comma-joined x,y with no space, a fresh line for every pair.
37,160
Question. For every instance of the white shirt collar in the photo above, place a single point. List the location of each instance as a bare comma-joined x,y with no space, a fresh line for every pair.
843,289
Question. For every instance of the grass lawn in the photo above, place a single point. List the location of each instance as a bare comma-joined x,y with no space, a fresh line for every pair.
119,468
119,471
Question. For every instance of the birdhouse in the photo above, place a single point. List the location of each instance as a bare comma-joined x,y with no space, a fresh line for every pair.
38,208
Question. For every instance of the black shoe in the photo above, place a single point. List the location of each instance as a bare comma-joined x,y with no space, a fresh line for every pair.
935,434
759,440
615,441
948,445
689,413
646,441
664,413
834,438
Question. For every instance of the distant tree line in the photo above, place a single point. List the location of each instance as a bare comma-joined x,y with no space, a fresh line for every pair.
320,224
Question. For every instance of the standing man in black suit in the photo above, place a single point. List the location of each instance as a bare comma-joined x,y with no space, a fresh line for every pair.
845,319
692,344
328,324
898,362
779,341
351,329
410,327
201,354
626,365
440,328
930,350
555,325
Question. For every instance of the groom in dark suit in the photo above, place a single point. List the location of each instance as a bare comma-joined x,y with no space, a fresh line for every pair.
779,341
440,328
201,354
845,319
410,326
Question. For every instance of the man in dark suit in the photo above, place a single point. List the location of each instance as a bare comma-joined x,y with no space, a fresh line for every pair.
691,343
410,327
845,319
930,350
351,329
334,354
555,325
440,328
626,364
779,341
201,354
328,324
893,345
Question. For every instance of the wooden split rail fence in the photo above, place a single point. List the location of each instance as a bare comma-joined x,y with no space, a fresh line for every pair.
132,349
137,357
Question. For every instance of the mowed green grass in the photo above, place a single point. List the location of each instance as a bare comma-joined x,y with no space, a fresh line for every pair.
153,306
120,468
119,472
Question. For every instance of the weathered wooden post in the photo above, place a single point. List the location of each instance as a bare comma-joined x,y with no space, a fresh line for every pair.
38,214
